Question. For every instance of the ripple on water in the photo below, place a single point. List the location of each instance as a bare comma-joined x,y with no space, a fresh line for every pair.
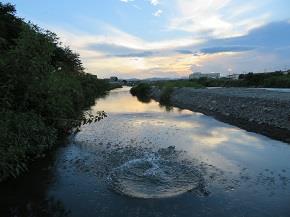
154,177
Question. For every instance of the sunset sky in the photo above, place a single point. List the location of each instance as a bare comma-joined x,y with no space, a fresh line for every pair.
168,38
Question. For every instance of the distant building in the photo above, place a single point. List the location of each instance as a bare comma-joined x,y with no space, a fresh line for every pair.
198,75
113,79
234,76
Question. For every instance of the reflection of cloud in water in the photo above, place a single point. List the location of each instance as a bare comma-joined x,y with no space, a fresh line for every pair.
245,174
210,141
239,169
171,123
120,101
193,132
215,137
136,124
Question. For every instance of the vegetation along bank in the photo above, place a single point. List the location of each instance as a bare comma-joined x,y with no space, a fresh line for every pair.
43,90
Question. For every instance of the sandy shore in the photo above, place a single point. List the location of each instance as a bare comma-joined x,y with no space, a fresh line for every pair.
257,110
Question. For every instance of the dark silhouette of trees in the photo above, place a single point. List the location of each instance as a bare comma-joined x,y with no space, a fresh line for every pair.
43,89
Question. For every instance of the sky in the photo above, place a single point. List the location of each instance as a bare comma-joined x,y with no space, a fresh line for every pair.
168,38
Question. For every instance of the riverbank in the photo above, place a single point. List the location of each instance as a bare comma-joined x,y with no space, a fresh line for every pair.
256,110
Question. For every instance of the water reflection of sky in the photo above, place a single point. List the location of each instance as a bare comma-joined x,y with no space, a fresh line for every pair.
248,174
199,135
245,174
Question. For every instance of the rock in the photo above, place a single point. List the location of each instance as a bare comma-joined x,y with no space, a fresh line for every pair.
265,107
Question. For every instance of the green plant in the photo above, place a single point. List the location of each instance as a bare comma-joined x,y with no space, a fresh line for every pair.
178,84
165,97
141,90
24,137
43,90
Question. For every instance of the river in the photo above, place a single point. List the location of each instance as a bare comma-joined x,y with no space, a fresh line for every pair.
148,160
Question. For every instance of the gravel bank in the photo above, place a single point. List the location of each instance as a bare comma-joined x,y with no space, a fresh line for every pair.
257,110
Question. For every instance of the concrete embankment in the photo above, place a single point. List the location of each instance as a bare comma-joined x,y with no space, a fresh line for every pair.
257,110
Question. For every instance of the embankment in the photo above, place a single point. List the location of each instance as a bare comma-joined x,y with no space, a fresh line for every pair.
257,110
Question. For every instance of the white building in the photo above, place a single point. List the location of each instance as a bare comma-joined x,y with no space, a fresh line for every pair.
198,75
234,76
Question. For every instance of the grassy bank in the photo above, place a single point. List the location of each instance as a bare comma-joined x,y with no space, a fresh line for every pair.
43,90
263,80
177,84
142,90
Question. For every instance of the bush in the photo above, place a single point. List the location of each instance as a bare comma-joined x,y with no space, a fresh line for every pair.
24,137
178,84
141,90
43,90
166,95
278,82
273,79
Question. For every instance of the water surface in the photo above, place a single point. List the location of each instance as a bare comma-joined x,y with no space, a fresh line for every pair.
147,160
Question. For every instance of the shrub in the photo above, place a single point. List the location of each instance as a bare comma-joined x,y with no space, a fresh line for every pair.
166,95
24,137
43,90
178,84
141,90
272,79
278,82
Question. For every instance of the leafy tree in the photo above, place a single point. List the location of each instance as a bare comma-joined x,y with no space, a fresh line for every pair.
43,90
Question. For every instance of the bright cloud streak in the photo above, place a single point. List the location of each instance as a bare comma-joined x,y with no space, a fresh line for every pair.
206,18
126,1
155,2
158,13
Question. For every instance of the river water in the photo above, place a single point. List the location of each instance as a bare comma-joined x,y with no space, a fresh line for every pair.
148,160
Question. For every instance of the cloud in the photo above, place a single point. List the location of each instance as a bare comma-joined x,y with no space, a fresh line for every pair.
224,49
115,51
208,35
141,54
125,48
184,51
137,7
268,37
158,13
115,42
264,49
154,2
126,1
207,18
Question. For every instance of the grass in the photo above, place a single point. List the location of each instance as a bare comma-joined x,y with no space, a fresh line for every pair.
142,90
178,84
